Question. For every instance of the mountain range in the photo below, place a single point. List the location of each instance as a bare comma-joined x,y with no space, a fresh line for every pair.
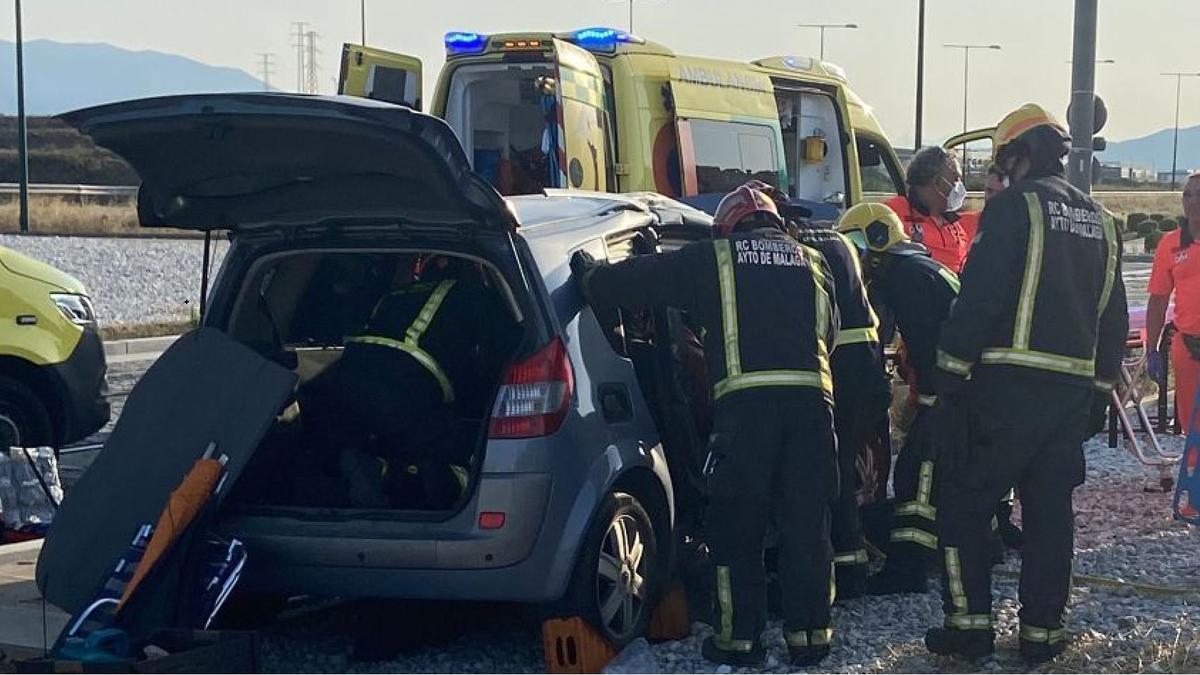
64,76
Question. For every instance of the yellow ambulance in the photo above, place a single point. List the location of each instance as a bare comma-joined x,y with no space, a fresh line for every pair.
600,109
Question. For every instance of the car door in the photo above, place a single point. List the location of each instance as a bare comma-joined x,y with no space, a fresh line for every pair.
381,75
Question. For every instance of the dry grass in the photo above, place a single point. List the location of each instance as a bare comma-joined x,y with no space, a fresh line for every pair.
69,217
1127,203
140,330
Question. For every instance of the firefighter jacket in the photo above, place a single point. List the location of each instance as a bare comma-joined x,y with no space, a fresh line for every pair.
1042,289
857,360
451,329
918,292
764,302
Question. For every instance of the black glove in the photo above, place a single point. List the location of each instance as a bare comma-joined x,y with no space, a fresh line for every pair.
582,264
947,384
1098,415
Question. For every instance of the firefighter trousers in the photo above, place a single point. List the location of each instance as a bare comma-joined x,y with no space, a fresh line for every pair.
772,458
846,527
1026,429
912,543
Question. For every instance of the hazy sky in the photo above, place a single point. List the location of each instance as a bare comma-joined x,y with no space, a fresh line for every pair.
1144,37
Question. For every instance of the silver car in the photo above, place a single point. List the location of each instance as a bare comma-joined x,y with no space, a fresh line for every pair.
573,483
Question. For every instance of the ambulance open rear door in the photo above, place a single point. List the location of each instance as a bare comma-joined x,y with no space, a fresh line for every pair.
576,139
381,75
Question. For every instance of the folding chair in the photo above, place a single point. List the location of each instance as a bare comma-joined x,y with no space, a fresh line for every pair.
1129,391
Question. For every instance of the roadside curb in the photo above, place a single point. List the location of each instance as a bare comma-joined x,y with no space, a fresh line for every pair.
138,346
23,550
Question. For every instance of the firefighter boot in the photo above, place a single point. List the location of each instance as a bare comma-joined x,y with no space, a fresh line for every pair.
751,659
966,644
803,657
895,579
851,581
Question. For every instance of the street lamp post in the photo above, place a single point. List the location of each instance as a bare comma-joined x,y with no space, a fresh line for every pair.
966,50
920,71
822,27
1175,149
362,17
22,130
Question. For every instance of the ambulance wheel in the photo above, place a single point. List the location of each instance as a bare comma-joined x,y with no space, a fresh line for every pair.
24,420
617,575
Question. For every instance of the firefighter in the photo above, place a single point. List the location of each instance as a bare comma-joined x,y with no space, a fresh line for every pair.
918,292
765,304
861,391
1032,345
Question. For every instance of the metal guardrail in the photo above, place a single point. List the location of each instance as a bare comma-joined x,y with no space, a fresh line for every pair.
67,190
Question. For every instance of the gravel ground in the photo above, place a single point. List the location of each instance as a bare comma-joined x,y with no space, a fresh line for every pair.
131,280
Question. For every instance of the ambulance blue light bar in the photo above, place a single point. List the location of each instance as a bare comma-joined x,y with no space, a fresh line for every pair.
603,39
458,42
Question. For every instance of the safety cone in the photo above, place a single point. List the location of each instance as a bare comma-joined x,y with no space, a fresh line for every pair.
670,620
573,646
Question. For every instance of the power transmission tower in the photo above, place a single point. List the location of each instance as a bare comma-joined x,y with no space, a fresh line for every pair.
299,27
313,83
266,68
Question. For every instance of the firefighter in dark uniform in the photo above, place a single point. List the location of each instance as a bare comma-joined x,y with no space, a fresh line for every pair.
1030,351
769,322
918,292
861,392
425,358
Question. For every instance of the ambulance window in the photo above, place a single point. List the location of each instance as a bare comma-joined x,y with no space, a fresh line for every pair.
881,176
731,153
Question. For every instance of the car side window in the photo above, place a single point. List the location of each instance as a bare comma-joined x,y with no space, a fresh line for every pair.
880,174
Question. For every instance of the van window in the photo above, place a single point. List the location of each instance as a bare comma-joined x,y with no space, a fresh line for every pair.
731,153
498,115
812,143
881,176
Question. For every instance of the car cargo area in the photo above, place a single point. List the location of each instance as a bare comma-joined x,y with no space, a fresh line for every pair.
372,425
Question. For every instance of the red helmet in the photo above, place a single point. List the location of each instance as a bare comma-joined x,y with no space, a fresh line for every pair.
742,203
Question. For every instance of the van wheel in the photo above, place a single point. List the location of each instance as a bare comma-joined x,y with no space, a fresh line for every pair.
24,420
616,577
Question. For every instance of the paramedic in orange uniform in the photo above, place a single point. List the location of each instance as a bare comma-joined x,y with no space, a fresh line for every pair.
930,209
1177,270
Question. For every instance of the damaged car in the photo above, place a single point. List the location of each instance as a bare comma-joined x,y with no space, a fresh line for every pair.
509,444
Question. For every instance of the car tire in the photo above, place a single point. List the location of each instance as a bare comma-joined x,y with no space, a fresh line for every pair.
618,572
24,419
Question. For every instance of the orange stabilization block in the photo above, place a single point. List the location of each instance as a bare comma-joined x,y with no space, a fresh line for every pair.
573,646
670,619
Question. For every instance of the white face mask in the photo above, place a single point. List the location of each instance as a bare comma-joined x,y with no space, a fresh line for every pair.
956,197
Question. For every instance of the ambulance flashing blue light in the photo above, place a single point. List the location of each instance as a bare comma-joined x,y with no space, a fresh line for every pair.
458,42
603,39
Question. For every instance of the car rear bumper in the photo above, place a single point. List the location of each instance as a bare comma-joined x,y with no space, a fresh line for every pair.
83,388
345,555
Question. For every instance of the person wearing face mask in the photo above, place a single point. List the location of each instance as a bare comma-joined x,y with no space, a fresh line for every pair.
930,210
1029,353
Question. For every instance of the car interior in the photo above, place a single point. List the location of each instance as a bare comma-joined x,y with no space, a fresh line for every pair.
368,426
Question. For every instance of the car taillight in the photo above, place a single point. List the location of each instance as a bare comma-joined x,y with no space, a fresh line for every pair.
534,395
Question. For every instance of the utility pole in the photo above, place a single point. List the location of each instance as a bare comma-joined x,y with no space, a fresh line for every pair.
966,50
362,15
1175,146
22,129
920,72
312,83
1083,96
266,67
299,27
